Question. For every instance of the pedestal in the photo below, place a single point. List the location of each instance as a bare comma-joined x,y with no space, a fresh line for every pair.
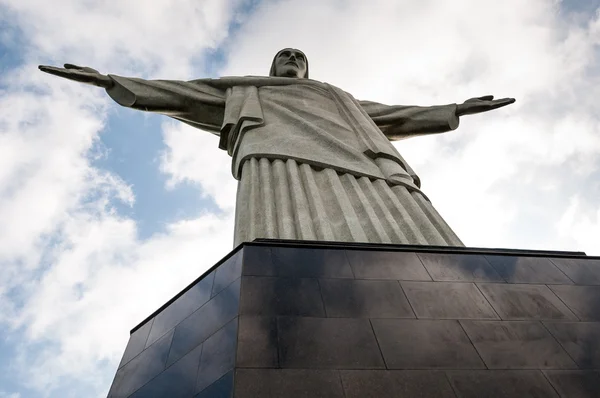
315,319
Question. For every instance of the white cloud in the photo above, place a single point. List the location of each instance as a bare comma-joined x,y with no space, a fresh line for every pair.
580,223
74,276
192,156
9,395
102,282
127,36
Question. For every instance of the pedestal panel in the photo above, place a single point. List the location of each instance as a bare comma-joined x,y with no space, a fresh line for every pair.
318,319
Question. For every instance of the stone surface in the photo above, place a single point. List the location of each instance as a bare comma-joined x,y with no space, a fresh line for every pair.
447,300
387,265
580,339
514,269
292,320
257,342
307,263
425,344
281,296
143,368
227,273
523,302
395,383
584,301
218,355
501,384
327,343
516,345
575,383
177,381
205,321
258,261
276,383
580,271
222,388
181,308
459,268
364,299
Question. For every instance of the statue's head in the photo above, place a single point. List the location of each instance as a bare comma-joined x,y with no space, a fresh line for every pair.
289,62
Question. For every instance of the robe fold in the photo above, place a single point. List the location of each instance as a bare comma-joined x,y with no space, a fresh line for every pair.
312,162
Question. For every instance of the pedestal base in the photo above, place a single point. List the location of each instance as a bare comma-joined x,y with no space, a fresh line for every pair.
318,319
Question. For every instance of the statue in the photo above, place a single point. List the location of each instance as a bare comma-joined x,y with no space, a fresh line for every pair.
312,162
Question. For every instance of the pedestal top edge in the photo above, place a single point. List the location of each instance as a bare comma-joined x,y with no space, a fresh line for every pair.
415,248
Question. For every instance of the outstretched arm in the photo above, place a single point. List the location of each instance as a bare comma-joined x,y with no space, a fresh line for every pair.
398,122
196,103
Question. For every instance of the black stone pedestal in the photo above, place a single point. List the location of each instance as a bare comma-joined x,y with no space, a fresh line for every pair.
314,319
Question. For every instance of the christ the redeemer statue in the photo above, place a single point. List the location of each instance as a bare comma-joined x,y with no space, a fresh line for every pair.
313,163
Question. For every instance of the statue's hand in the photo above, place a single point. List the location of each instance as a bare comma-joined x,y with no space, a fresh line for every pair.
481,104
81,74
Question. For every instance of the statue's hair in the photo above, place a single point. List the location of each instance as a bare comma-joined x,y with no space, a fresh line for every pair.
272,71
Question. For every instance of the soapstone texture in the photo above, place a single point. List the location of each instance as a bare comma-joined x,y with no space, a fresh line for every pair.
313,162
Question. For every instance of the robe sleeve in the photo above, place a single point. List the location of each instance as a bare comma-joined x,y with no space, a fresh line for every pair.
198,103
398,122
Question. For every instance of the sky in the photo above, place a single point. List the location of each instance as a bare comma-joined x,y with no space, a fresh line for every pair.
106,212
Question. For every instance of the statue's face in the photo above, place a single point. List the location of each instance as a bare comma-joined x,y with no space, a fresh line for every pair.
290,63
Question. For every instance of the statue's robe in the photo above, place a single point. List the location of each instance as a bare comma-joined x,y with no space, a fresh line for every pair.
312,162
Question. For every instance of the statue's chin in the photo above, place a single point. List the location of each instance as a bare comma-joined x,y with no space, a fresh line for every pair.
288,72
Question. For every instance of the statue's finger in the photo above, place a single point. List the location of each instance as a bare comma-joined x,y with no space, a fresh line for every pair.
72,66
47,67
502,102
62,72
52,69
486,98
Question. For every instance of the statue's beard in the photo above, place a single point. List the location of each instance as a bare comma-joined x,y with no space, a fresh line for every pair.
289,72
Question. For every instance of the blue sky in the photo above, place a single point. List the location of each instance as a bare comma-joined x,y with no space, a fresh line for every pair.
107,212
129,147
